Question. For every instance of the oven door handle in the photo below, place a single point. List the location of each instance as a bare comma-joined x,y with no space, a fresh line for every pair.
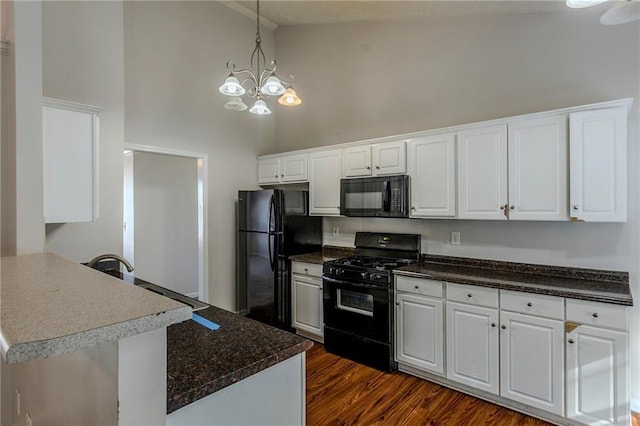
352,284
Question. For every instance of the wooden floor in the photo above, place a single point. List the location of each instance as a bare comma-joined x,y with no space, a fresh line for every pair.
341,392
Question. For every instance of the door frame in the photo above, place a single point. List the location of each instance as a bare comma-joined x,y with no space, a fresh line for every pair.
202,162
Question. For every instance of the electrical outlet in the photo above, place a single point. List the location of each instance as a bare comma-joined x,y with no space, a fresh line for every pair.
455,238
17,402
336,231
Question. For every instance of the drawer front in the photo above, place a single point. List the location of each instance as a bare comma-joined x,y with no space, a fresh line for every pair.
306,269
473,295
532,304
419,286
597,314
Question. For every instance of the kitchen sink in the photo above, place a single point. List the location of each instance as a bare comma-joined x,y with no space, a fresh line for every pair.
196,305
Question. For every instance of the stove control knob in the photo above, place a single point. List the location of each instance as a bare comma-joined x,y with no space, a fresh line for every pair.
339,271
364,275
330,271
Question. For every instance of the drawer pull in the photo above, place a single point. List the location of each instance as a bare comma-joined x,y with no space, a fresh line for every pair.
529,304
397,303
504,327
595,315
417,287
570,341
469,295
306,270
493,324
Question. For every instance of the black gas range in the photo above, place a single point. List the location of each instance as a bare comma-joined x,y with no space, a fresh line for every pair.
358,297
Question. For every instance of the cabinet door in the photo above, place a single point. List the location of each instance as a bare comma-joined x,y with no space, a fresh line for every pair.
356,161
432,165
69,148
294,168
532,361
268,171
598,165
325,169
307,304
390,158
597,376
419,332
538,169
472,346
482,173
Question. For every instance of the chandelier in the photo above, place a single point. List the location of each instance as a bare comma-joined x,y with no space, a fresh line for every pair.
259,82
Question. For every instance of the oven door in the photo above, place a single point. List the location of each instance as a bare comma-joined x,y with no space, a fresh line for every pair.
359,309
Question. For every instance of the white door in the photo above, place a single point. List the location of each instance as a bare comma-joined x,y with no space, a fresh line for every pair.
268,170
307,304
356,161
532,361
419,332
325,170
597,376
294,168
538,169
432,169
472,346
390,158
482,173
598,164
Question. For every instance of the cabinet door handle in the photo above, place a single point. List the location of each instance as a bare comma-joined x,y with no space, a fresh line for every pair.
504,327
493,324
595,315
529,304
306,270
320,288
398,304
417,287
276,176
281,176
512,207
501,207
469,295
368,168
570,341
413,207
377,167
576,206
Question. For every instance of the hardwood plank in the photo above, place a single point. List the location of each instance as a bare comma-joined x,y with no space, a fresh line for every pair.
342,392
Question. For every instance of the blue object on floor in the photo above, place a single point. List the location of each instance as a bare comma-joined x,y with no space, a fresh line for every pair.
205,322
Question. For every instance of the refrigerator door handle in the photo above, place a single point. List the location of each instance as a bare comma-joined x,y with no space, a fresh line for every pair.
271,258
272,205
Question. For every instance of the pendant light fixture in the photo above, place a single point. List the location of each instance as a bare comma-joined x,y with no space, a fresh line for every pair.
259,82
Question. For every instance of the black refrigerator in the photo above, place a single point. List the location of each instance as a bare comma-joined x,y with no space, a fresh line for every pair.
272,225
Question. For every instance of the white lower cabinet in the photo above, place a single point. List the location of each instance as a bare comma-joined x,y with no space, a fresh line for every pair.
532,361
306,283
419,332
597,364
472,346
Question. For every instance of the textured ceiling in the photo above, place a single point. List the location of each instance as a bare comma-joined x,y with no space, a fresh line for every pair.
282,12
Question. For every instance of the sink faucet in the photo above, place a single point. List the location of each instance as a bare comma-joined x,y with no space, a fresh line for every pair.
122,260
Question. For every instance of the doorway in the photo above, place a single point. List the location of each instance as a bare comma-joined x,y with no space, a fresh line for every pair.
165,219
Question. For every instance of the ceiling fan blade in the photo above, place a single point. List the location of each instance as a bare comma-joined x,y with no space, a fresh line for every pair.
621,13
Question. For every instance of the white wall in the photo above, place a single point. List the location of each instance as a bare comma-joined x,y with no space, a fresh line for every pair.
83,61
175,56
166,221
367,80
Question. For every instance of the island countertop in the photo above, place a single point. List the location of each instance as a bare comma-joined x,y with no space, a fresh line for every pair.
50,306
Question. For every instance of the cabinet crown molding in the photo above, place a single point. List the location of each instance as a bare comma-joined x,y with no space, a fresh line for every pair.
70,105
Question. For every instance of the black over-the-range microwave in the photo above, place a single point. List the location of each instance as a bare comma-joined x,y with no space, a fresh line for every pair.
384,196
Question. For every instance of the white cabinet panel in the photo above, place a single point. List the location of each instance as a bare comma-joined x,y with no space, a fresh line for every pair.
307,304
390,158
294,168
532,361
482,173
472,346
597,376
538,169
325,169
268,170
419,332
599,165
357,161
432,168
70,152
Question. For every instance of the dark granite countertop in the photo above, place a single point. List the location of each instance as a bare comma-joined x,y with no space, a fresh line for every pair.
586,284
319,257
201,361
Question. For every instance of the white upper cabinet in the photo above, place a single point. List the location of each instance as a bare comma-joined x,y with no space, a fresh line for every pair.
538,169
282,169
389,158
516,171
325,169
432,168
482,173
598,191
70,161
